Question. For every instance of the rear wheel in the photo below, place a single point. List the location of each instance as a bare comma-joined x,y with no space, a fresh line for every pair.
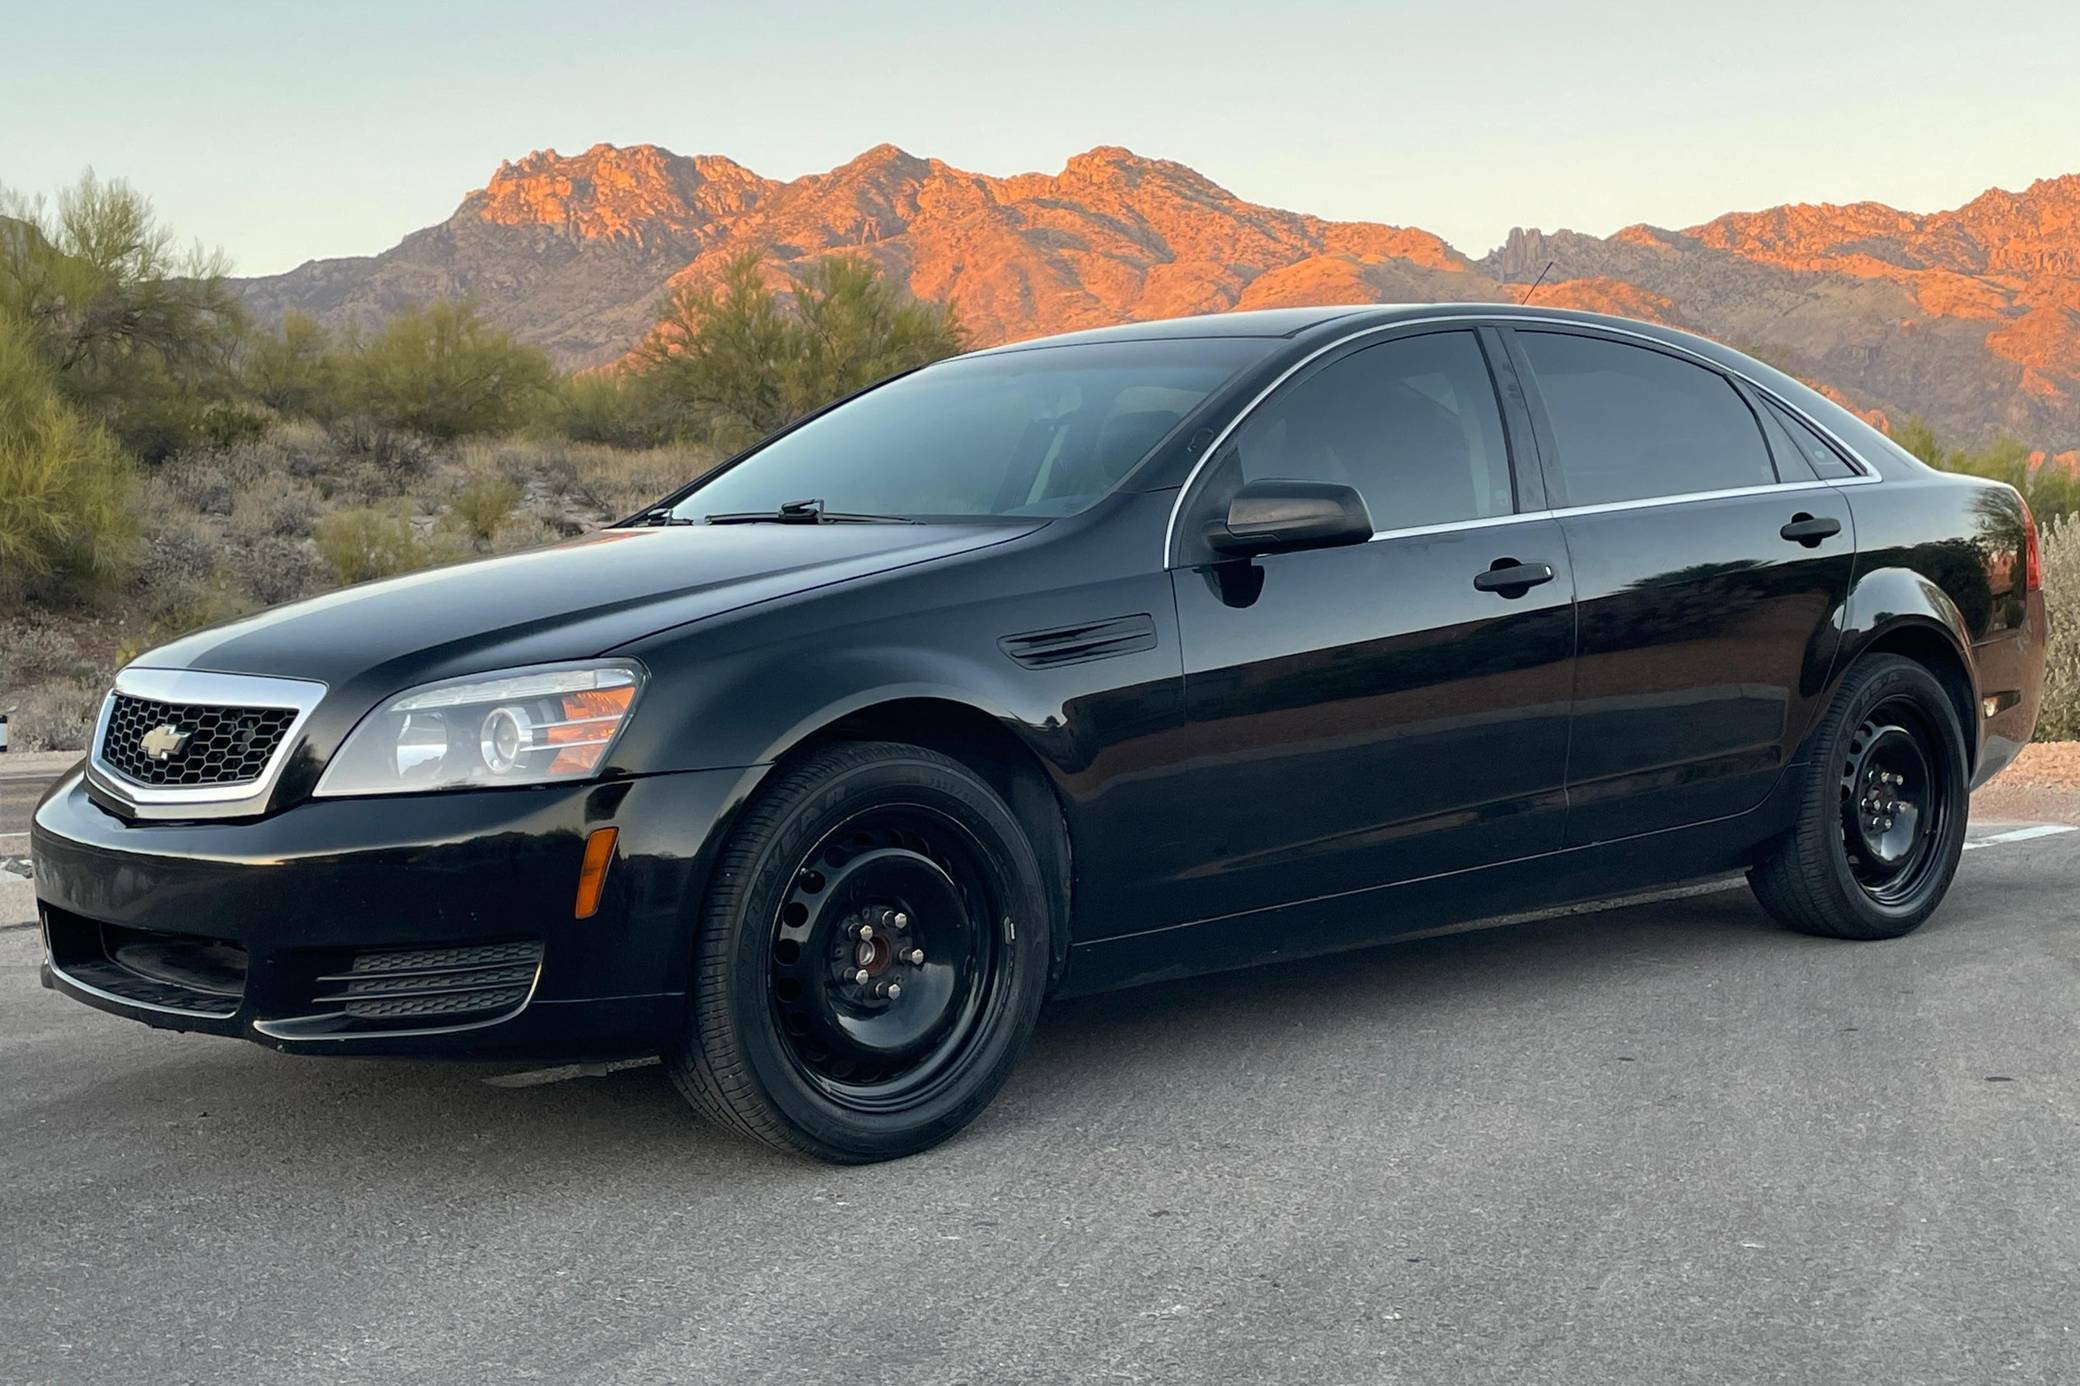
1882,817
872,957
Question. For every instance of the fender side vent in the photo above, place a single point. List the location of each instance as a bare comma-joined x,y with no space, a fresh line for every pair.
1044,649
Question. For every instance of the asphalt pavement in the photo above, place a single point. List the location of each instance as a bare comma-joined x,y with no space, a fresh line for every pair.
1661,1143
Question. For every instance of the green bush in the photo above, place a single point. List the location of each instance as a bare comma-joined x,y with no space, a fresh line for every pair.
65,518
442,371
484,501
610,407
371,542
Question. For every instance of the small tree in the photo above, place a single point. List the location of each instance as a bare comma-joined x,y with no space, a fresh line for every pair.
295,368
442,371
136,332
738,363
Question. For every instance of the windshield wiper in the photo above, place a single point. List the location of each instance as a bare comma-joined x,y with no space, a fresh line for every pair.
805,512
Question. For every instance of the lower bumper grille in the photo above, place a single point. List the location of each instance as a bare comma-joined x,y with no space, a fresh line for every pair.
167,972
445,984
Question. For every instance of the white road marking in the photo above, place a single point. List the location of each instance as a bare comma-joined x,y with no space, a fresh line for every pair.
4,836
2021,835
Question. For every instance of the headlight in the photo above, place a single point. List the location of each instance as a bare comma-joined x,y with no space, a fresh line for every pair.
518,726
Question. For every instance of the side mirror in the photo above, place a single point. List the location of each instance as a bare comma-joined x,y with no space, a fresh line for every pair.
1280,516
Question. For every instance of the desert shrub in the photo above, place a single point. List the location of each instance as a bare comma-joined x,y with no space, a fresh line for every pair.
734,365
483,502
31,651
273,568
524,532
59,715
396,452
370,542
619,484
275,507
613,408
296,369
65,516
2059,719
444,372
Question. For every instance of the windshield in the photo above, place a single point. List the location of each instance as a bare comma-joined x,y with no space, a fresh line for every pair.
1041,432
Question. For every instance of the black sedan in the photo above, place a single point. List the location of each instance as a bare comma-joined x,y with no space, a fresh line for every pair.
1069,665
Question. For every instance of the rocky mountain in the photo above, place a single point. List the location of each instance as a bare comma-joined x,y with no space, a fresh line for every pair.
1970,317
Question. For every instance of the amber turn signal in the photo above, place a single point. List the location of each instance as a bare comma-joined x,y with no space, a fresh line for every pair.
592,876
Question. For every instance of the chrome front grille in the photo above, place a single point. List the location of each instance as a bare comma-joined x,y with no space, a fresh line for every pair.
203,745
192,743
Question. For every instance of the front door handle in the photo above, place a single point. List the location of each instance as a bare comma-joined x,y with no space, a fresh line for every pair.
1808,530
1511,578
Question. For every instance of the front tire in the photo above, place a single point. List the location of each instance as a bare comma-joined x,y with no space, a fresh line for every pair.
871,957
1881,817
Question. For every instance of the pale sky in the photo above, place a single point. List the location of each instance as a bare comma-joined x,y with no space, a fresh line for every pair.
291,131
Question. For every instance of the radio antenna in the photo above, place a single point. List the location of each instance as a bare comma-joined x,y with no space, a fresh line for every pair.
1535,283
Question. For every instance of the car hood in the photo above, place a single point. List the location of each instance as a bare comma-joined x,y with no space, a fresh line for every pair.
568,601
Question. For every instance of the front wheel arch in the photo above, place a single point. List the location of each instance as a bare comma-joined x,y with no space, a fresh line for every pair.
985,745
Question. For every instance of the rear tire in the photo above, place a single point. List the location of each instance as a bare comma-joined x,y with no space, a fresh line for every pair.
871,959
1881,814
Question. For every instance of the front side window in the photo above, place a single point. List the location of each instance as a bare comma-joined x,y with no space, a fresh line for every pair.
1412,424
1630,423
1044,432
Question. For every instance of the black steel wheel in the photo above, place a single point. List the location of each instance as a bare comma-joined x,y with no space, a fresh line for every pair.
1882,814
872,959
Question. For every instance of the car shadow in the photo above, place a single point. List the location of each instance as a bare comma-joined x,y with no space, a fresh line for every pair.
443,1121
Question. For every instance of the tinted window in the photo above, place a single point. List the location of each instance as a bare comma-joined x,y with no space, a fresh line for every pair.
1412,424
1041,432
1630,423
1824,460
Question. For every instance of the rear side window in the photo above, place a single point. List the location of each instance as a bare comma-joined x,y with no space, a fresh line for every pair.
1632,424
1824,460
1412,424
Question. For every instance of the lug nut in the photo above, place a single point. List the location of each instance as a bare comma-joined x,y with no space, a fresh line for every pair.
900,920
866,931
862,976
916,956
895,991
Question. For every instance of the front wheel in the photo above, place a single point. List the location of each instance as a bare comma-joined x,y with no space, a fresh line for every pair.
871,960
1881,819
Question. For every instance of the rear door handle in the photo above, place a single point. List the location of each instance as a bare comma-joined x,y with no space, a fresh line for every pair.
1511,578
1808,530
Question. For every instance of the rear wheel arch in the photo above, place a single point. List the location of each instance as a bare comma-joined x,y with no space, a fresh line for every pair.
1936,649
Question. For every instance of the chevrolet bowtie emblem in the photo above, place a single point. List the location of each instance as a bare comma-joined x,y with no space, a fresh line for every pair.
163,743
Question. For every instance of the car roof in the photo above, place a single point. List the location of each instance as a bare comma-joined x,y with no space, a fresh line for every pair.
1303,323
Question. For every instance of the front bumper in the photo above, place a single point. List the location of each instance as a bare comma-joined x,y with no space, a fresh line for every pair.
437,924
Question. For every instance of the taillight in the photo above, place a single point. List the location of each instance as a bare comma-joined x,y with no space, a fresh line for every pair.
2032,561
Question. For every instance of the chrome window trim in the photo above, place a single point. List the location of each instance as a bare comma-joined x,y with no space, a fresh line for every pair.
301,696
1569,511
1471,320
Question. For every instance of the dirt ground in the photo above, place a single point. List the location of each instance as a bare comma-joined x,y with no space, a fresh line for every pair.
2042,786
